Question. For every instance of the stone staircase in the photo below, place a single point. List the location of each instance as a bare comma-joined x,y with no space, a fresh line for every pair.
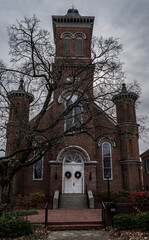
73,201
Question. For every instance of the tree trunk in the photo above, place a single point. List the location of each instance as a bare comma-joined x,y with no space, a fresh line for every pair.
5,189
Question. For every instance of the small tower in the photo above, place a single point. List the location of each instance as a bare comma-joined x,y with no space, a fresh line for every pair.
128,134
18,116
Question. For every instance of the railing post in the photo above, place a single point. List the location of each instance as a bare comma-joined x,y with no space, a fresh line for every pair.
103,214
46,214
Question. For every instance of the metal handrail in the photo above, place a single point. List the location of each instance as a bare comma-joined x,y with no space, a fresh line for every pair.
103,214
46,214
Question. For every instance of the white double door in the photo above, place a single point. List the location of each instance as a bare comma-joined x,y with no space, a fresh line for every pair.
73,184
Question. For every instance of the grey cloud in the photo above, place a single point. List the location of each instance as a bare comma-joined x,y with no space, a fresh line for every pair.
126,19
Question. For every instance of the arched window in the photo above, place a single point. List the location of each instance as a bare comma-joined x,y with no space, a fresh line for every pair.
79,46
67,46
74,116
146,164
38,167
107,161
72,158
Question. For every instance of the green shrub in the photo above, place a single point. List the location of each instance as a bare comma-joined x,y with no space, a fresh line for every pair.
143,221
37,198
14,226
132,221
114,195
124,221
123,193
23,212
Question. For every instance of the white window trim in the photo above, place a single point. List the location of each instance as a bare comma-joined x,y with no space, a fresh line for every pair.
40,179
105,179
65,129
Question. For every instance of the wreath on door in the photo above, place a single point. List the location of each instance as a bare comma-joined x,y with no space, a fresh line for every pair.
77,174
68,174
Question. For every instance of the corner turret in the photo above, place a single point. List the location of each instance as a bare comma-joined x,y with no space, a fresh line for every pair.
18,116
128,135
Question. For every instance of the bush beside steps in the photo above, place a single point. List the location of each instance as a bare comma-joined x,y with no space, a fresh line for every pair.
132,221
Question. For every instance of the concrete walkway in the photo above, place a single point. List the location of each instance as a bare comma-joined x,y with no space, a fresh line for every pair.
79,235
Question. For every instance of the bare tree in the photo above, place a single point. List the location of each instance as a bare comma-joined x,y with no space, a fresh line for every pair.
33,60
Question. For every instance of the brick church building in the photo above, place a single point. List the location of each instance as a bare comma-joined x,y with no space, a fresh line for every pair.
79,163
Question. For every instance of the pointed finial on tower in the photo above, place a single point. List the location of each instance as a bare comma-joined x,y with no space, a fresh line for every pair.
21,87
73,6
124,89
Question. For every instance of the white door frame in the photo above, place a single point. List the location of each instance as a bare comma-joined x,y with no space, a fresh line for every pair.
63,174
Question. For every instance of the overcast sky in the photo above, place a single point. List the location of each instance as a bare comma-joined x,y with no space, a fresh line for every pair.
127,20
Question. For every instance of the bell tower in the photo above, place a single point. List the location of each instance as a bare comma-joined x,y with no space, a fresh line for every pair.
128,134
72,37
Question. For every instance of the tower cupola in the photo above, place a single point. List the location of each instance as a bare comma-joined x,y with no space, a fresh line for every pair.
72,12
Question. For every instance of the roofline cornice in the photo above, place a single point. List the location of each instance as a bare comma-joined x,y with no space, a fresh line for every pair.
73,22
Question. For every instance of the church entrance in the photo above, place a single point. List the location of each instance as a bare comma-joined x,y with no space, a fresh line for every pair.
73,174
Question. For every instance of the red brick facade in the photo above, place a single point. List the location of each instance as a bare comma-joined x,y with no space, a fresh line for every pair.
121,137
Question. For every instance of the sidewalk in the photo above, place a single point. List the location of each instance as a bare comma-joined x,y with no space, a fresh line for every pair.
79,235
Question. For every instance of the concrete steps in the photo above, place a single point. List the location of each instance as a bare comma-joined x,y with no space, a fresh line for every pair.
73,201
72,226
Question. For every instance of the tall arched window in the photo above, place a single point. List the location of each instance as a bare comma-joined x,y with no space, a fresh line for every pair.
67,46
107,161
79,46
74,116
146,164
38,167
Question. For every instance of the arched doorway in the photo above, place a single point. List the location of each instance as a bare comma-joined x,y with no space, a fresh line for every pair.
73,173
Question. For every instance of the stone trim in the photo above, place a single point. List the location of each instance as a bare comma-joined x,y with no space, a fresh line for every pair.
121,96
64,94
91,164
55,163
20,94
130,162
106,139
72,22
71,35
73,148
